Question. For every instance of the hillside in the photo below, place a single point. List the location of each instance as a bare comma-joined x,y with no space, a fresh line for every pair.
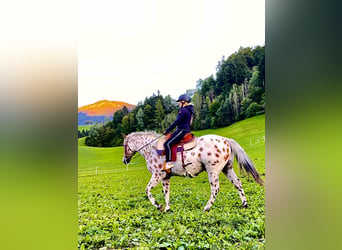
106,184
249,133
104,108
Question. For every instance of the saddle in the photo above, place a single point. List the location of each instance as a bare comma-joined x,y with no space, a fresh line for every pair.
188,142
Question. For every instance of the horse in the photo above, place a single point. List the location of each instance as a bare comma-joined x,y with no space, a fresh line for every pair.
212,153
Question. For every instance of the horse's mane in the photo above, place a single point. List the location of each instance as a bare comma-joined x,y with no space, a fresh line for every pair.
148,133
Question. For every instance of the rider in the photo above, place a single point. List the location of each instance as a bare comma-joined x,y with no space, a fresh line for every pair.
183,122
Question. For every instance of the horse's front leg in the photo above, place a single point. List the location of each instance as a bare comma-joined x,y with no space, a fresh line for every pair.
215,188
155,179
166,189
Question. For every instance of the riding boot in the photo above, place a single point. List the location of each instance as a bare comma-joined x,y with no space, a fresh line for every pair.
167,167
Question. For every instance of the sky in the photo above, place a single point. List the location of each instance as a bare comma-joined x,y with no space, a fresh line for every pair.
130,49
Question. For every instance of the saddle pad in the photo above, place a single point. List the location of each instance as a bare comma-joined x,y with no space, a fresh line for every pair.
187,145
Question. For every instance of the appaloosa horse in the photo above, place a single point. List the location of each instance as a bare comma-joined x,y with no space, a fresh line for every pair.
212,153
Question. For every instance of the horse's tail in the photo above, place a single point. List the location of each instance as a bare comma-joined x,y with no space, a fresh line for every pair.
244,161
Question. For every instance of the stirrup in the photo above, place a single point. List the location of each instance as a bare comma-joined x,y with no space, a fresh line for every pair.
167,168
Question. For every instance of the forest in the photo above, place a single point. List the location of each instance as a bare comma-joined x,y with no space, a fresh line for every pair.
235,92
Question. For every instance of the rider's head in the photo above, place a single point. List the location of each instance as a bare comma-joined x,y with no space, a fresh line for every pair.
183,100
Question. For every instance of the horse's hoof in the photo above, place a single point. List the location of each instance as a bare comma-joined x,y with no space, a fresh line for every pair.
167,210
245,205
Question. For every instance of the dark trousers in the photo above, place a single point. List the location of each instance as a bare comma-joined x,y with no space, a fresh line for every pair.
176,137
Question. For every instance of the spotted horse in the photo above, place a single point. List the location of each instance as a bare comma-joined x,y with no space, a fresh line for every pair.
212,153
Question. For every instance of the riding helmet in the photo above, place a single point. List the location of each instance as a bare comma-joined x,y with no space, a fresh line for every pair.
184,97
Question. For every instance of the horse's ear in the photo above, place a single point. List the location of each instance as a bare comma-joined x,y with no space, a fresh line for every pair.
123,135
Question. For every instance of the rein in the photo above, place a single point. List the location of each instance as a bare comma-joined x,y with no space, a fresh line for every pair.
149,143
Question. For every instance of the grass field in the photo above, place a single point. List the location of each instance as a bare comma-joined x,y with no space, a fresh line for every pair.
85,127
114,211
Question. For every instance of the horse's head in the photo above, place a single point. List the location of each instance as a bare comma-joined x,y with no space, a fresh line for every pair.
129,149
137,142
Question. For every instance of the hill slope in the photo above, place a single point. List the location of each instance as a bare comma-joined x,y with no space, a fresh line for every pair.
249,133
112,201
103,108
100,111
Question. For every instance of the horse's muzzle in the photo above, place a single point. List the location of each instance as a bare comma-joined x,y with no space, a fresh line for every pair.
126,160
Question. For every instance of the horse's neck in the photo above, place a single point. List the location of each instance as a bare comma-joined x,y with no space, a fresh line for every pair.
144,140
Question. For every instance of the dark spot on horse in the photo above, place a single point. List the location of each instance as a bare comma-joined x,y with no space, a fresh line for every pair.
216,146
201,149
199,155
209,153
201,139
160,165
225,142
209,163
224,150
226,157
219,151
155,160
211,139
192,153
217,155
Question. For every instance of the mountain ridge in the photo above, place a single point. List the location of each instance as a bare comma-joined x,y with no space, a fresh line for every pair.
104,108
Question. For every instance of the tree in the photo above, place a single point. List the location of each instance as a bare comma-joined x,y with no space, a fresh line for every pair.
244,105
214,106
205,117
107,138
199,84
148,116
253,109
259,57
159,115
168,120
119,115
197,101
167,104
140,119
93,138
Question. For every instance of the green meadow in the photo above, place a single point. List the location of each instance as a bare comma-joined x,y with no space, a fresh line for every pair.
85,127
114,211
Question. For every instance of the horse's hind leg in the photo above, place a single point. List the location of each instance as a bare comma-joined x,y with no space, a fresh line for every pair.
230,174
215,188
155,179
166,189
